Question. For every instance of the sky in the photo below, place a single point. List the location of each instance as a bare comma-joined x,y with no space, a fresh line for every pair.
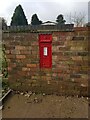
45,9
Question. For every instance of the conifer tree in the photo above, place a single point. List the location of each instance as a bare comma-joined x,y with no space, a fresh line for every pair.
35,20
19,17
60,19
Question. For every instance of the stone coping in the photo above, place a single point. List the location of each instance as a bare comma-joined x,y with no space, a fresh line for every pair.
39,28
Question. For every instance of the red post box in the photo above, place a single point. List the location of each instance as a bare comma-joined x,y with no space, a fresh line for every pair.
45,50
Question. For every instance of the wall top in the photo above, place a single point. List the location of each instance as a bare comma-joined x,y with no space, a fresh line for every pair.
39,28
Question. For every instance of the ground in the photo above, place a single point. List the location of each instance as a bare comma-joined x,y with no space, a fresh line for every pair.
45,106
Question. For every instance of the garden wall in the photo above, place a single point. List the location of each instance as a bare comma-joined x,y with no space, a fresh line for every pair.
69,72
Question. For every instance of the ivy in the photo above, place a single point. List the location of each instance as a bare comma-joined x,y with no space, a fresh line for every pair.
4,63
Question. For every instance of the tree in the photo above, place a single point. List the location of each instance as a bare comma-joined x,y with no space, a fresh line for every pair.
60,19
19,17
77,19
3,22
35,20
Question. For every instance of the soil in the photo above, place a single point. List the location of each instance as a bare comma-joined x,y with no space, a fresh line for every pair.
45,106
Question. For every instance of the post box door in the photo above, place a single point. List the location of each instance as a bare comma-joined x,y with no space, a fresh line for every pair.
45,55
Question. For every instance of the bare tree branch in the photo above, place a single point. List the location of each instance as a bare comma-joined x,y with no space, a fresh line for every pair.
78,19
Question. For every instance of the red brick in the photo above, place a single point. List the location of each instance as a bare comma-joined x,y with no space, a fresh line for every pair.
7,51
25,69
10,56
25,52
31,65
20,56
19,47
22,73
9,68
12,65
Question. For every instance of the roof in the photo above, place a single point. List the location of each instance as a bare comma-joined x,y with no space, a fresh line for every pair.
49,23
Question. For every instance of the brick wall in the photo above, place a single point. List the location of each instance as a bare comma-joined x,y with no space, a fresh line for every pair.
69,73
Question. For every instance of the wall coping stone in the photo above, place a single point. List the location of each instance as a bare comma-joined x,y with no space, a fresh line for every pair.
39,28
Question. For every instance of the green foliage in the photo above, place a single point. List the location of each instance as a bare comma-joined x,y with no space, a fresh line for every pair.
3,63
3,69
60,19
35,20
19,17
5,84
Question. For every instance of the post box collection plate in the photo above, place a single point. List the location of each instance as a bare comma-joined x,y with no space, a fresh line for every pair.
45,51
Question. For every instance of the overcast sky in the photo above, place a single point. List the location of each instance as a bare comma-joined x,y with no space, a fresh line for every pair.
45,9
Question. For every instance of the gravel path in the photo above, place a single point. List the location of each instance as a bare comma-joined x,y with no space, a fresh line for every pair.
45,106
